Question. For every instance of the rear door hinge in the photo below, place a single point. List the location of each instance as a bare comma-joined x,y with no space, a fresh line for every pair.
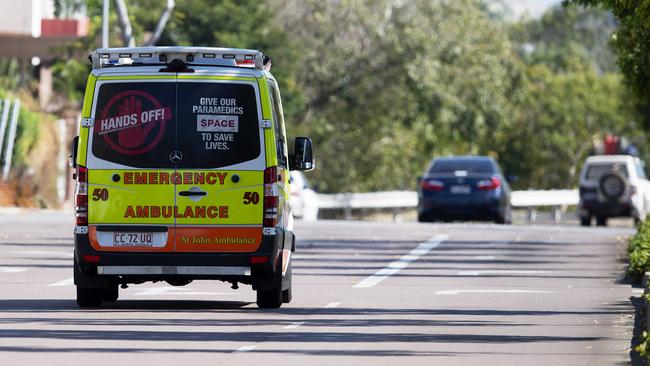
87,122
265,123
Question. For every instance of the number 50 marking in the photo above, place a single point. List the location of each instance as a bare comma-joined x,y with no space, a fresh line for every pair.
251,197
100,194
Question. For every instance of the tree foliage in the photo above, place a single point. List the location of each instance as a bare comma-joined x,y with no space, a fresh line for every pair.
382,86
632,47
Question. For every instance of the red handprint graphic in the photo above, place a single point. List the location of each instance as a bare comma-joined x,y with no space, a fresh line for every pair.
122,126
133,137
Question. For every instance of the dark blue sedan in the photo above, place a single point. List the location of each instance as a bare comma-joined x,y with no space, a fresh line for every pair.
465,188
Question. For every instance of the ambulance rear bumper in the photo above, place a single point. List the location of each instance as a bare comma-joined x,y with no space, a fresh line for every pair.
174,270
109,268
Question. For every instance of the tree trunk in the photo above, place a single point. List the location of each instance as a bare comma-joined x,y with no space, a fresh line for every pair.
125,23
162,22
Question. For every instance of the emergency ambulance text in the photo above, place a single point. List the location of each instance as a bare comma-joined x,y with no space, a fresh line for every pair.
211,178
189,212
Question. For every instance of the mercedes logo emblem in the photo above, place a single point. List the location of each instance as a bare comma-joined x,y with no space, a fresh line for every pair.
175,156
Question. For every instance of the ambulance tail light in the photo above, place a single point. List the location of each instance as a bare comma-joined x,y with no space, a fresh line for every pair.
81,196
271,197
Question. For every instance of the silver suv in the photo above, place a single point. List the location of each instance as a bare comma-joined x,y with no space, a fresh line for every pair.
613,186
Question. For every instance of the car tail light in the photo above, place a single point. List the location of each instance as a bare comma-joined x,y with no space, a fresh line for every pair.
271,197
432,185
489,184
81,196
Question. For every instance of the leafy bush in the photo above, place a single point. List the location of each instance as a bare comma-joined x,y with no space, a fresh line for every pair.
639,252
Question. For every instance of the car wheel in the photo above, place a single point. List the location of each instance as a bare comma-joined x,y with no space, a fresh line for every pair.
423,218
89,297
585,221
110,294
601,220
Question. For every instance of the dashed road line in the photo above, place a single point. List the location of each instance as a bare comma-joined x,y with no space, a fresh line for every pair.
403,262
332,305
12,269
509,291
246,348
484,257
499,272
66,282
294,325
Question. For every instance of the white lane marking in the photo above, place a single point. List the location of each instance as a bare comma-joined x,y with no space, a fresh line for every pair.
458,292
66,282
294,325
65,255
484,257
246,348
403,262
332,305
499,271
12,269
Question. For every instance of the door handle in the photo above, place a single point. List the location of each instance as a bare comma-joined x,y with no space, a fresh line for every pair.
192,193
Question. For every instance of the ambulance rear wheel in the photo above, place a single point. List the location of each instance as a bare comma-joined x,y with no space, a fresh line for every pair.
89,297
269,299
110,294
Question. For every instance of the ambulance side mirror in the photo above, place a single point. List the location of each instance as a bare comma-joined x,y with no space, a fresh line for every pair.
73,151
303,158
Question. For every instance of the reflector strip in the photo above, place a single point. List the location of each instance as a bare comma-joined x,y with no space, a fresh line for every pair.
173,270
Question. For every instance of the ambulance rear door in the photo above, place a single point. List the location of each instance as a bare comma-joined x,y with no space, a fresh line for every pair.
131,197
221,194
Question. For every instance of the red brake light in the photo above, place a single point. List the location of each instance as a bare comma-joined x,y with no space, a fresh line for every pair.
432,185
259,259
271,197
81,196
489,184
90,258
271,175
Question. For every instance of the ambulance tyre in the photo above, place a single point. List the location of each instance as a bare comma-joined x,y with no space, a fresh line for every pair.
110,294
269,299
89,297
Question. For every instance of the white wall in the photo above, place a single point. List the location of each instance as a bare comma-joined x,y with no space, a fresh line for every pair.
23,17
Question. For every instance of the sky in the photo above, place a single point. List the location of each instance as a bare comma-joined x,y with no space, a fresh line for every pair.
534,8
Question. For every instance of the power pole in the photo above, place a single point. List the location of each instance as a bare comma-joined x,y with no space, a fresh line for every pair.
105,25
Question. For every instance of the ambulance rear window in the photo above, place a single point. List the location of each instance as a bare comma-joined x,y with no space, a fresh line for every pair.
217,124
142,124
135,124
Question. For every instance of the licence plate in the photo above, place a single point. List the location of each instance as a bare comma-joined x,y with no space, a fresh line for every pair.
133,239
464,189
589,196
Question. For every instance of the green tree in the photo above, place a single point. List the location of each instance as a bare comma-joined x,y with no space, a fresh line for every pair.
388,85
632,47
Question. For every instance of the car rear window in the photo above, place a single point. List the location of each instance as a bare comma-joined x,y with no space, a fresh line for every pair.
595,171
213,125
469,165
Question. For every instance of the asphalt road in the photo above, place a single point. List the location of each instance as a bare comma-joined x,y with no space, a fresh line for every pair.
364,294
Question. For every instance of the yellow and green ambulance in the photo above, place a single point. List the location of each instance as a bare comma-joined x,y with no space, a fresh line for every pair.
182,173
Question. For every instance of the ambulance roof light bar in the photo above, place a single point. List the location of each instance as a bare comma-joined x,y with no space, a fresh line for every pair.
213,56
